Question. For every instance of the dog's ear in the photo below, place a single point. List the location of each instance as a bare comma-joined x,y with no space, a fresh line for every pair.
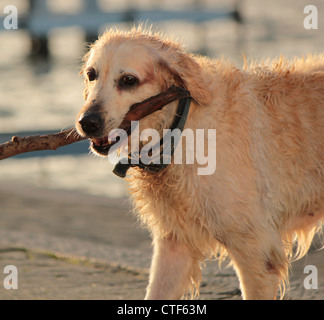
187,73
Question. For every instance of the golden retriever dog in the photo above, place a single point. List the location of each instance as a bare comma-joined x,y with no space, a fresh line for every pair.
264,202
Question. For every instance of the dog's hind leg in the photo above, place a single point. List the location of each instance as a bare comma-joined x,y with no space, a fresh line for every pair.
172,271
260,268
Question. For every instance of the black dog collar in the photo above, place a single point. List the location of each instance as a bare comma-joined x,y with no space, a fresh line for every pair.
179,121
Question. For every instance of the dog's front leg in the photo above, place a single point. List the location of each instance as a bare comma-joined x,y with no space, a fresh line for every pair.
172,269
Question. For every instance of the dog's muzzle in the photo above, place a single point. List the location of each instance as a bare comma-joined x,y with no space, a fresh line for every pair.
92,123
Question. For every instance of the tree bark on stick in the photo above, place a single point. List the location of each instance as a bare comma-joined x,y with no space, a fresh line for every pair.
53,141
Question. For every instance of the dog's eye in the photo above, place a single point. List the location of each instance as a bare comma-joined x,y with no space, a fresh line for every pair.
91,74
127,81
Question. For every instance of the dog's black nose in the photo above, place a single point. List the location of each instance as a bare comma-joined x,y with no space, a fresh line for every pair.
91,123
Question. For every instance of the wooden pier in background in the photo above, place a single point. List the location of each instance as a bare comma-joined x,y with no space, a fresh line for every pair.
39,20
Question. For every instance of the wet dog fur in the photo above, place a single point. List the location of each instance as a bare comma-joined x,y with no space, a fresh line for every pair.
265,201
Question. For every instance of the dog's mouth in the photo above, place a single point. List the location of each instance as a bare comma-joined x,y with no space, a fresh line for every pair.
137,112
101,145
104,144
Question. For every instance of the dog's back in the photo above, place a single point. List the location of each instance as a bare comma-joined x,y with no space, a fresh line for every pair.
288,142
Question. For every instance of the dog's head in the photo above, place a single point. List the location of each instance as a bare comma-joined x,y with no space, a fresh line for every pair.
122,69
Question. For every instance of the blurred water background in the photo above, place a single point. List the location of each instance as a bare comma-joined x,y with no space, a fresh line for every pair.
44,95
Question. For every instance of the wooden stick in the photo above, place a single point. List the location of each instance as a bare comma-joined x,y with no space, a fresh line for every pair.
142,109
53,141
